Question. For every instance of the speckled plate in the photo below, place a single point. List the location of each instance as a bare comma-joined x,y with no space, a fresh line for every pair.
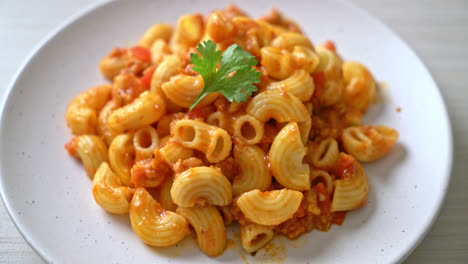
48,194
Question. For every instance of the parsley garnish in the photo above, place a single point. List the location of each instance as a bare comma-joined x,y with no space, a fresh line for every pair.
234,87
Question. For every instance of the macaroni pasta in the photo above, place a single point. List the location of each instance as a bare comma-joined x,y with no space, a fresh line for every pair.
180,147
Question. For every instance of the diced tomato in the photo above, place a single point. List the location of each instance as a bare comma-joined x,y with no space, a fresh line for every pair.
339,217
345,166
147,76
70,146
319,82
321,189
323,196
141,53
196,114
329,45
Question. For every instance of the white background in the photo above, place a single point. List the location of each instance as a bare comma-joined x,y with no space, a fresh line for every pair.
435,29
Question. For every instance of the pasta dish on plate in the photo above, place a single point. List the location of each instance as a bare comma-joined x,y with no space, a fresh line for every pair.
223,119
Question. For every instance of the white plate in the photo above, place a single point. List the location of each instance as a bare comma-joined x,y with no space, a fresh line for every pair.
48,194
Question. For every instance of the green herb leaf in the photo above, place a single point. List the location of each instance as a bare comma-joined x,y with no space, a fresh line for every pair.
235,87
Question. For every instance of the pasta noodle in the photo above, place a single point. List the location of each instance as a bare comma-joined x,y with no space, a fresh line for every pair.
368,143
219,27
201,186
269,208
213,141
299,84
145,142
248,129
183,90
159,50
83,110
359,86
351,190
227,215
305,58
91,150
169,67
103,129
286,158
279,105
218,119
209,226
324,155
164,195
158,31
173,151
277,62
255,236
153,224
253,170
108,191
121,157
317,176
222,119
146,109
289,40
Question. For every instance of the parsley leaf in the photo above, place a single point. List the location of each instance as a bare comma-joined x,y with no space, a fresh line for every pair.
234,87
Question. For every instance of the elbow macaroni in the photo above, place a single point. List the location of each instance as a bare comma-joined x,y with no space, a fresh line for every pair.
279,105
170,168
173,151
209,227
248,129
324,155
82,112
269,208
359,86
145,141
169,67
164,195
352,192
289,40
277,62
286,158
148,108
201,186
182,90
121,157
299,84
253,170
156,32
368,143
103,129
153,224
109,192
92,151
213,141
254,236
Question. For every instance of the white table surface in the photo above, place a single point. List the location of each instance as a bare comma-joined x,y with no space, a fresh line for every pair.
437,30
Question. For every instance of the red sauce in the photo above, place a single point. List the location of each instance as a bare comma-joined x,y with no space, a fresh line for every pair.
339,217
150,172
70,146
323,197
147,76
319,82
330,45
197,113
141,53
345,166
310,215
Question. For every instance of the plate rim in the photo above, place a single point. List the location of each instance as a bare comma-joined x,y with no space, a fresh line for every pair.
449,167
79,14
